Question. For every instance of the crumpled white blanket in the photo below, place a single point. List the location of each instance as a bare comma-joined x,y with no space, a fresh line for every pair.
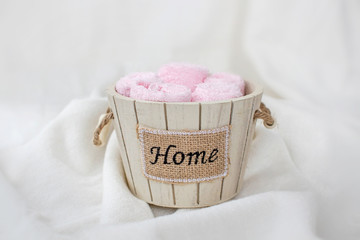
66,187
302,179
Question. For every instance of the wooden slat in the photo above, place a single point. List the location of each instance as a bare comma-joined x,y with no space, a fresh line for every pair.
240,117
182,116
128,124
249,138
123,152
212,115
152,114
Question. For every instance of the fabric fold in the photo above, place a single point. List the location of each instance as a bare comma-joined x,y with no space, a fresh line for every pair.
185,74
161,92
125,84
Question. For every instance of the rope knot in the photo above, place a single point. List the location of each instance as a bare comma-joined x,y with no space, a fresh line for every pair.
104,120
264,113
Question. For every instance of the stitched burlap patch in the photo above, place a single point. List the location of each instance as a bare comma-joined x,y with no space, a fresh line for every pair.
183,156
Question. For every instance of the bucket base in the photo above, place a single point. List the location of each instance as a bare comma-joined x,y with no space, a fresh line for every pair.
193,206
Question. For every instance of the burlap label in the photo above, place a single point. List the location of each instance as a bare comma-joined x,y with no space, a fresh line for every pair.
183,156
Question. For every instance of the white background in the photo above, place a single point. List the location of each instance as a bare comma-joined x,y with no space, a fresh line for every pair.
305,53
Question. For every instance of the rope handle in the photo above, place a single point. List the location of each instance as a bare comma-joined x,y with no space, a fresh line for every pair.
104,120
264,113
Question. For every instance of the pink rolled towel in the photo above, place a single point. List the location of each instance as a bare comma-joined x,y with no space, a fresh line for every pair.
184,74
180,82
161,92
216,91
126,83
228,78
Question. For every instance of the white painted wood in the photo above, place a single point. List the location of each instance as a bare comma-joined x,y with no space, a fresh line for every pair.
128,125
249,139
128,113
182,116
240,120
123,153
213,115
152,114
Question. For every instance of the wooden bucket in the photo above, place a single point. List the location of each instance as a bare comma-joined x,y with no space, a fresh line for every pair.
238,112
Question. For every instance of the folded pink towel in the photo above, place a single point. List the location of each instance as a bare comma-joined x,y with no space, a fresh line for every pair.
161,92
227,78
216,91
181,82
184,74
126,83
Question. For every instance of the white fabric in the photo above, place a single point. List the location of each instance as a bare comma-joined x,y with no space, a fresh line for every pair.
302,178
